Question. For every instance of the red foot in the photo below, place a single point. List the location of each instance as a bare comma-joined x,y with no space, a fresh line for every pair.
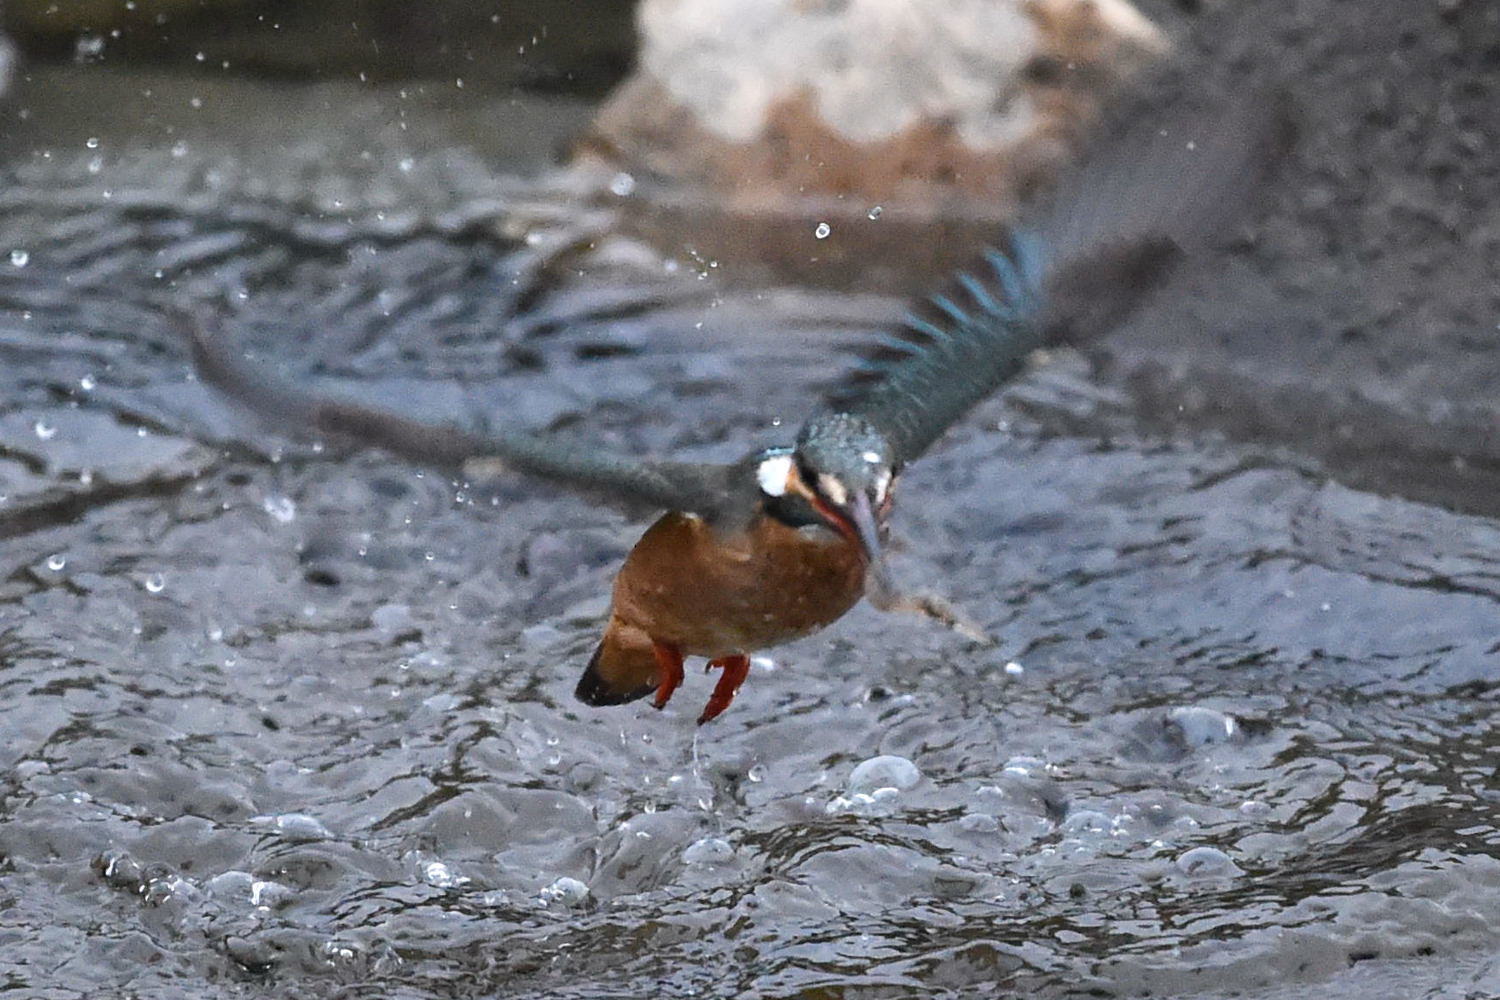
668,672
735,668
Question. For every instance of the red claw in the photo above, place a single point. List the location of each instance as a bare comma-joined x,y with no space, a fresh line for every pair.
668,672
735,670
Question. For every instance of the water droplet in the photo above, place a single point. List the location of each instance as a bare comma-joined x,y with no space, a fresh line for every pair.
87,383
88,48
92,142
874,212
622,184
56,562
283,509
757,773
96,164
407,165
19,258
179,149
822,231
44,430
1014,669
155,583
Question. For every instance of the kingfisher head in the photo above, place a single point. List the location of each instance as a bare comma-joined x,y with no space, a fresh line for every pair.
839,474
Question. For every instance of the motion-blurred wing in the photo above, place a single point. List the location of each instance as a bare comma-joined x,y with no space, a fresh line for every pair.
622,479
1112,236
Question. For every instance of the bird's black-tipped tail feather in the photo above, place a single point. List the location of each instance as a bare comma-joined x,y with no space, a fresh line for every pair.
609,681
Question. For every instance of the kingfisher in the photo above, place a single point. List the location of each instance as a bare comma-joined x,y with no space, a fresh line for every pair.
758,552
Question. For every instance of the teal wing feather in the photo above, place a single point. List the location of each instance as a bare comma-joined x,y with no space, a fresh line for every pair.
627,480
1111,236
957,348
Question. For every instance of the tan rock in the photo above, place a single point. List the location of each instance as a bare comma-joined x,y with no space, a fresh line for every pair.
896,102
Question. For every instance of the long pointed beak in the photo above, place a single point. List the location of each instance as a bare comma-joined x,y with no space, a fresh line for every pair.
867,531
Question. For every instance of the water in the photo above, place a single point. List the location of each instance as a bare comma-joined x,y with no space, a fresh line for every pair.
299,721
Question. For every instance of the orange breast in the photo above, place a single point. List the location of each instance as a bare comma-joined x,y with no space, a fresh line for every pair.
716,595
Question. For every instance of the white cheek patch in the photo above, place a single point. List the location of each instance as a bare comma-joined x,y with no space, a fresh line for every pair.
833,490
773,474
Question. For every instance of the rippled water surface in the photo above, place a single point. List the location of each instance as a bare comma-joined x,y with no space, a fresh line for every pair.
283,719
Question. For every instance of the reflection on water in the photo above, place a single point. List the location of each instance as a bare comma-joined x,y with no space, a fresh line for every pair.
279,713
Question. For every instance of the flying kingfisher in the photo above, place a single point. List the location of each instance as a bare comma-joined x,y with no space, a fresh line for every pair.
783,542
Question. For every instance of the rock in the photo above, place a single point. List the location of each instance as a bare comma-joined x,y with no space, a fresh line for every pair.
902,103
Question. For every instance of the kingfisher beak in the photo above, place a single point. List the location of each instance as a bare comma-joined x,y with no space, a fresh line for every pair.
867,532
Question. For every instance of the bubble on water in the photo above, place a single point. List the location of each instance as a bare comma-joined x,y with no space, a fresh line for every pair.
622,184
757,772
565,891
87,383
57,562
44,430
1207,862
407,165
235,886
19,258
822,231
1088,821
92,142
296,828
1025,767
154,583
885,771
1014,669
709,851
874,212
1201,726
231,884
179,150
95,164
283,509
438,875
267,894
